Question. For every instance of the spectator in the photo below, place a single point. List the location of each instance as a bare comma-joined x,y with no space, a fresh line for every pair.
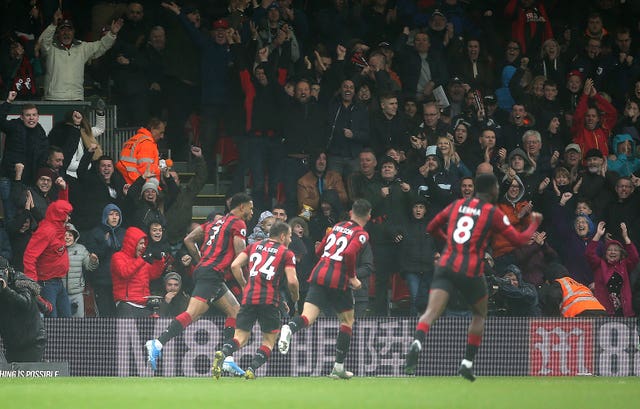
530,25
624,209
390,205
520,298
434,182
612,285
178,211
46,259
18,73
75,136
417,255
623,160
590,129
140,152
65,57
262,228
21,324
275,33
421,69
215,63
317,182
550,63
303,123
518,211
348,123
595,182
131,275
452,162
388,127
102,184
534,258
80,262
26,143
175,300
40,192
475,68
262,92
103,241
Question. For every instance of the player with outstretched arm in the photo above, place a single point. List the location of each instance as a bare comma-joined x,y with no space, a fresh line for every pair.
470,223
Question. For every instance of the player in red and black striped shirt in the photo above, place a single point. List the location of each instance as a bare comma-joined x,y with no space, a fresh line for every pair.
470,224
219,242
269,260
331,282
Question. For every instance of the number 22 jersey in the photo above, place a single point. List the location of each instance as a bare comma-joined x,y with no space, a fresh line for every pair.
338,252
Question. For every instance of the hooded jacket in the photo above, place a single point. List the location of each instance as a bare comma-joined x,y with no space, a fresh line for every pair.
603,271
79,261
104,240
511,208
46,257
624,165
131,274
521,301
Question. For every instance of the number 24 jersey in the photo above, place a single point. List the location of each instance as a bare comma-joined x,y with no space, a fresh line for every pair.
338,252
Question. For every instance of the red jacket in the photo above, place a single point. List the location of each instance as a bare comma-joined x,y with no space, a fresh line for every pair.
130,273
599,137
46,254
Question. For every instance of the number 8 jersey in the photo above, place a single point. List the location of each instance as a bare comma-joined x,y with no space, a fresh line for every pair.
470,225
338,252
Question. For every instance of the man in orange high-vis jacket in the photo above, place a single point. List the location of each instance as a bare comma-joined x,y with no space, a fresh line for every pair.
141,151
578,300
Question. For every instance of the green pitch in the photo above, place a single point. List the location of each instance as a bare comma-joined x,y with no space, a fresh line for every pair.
322,393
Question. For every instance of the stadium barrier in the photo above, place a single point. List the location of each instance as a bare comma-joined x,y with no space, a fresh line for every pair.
511,347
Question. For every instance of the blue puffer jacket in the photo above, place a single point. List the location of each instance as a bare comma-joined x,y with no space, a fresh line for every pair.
624,164
104,240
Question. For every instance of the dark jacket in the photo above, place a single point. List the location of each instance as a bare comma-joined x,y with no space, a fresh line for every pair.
520,301
302,126
103,240
388,132
417,247
178,213
22,145
88,213
21,324
354,117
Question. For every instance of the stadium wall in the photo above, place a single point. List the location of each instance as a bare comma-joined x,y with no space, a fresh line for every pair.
511,347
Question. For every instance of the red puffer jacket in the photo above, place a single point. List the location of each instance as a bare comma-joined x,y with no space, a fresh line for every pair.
46,256
130,273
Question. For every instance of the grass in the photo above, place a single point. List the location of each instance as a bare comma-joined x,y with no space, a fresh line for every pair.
310,393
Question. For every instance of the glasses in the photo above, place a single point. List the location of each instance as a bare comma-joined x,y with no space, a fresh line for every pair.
430,114
513,48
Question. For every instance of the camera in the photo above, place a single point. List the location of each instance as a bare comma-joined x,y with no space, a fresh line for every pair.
5,270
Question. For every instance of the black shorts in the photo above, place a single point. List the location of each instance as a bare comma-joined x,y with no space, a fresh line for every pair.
473,289
268,316
208,284
322,297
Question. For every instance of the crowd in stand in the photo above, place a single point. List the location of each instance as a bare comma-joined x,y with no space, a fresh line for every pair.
398,102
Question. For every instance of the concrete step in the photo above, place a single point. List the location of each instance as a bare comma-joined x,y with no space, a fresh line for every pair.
200,213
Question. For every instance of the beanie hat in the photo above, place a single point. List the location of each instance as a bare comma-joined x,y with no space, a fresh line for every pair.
151,184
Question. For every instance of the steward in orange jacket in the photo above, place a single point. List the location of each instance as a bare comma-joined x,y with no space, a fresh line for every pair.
141,151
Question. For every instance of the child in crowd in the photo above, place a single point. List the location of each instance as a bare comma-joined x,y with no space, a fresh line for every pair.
261,231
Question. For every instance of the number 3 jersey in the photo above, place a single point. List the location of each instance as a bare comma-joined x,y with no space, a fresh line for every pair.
338,252
217,250
470,226
267,261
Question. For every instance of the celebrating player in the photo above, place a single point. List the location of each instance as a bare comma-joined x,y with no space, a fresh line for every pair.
470,224
332,279
221,242
268,261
